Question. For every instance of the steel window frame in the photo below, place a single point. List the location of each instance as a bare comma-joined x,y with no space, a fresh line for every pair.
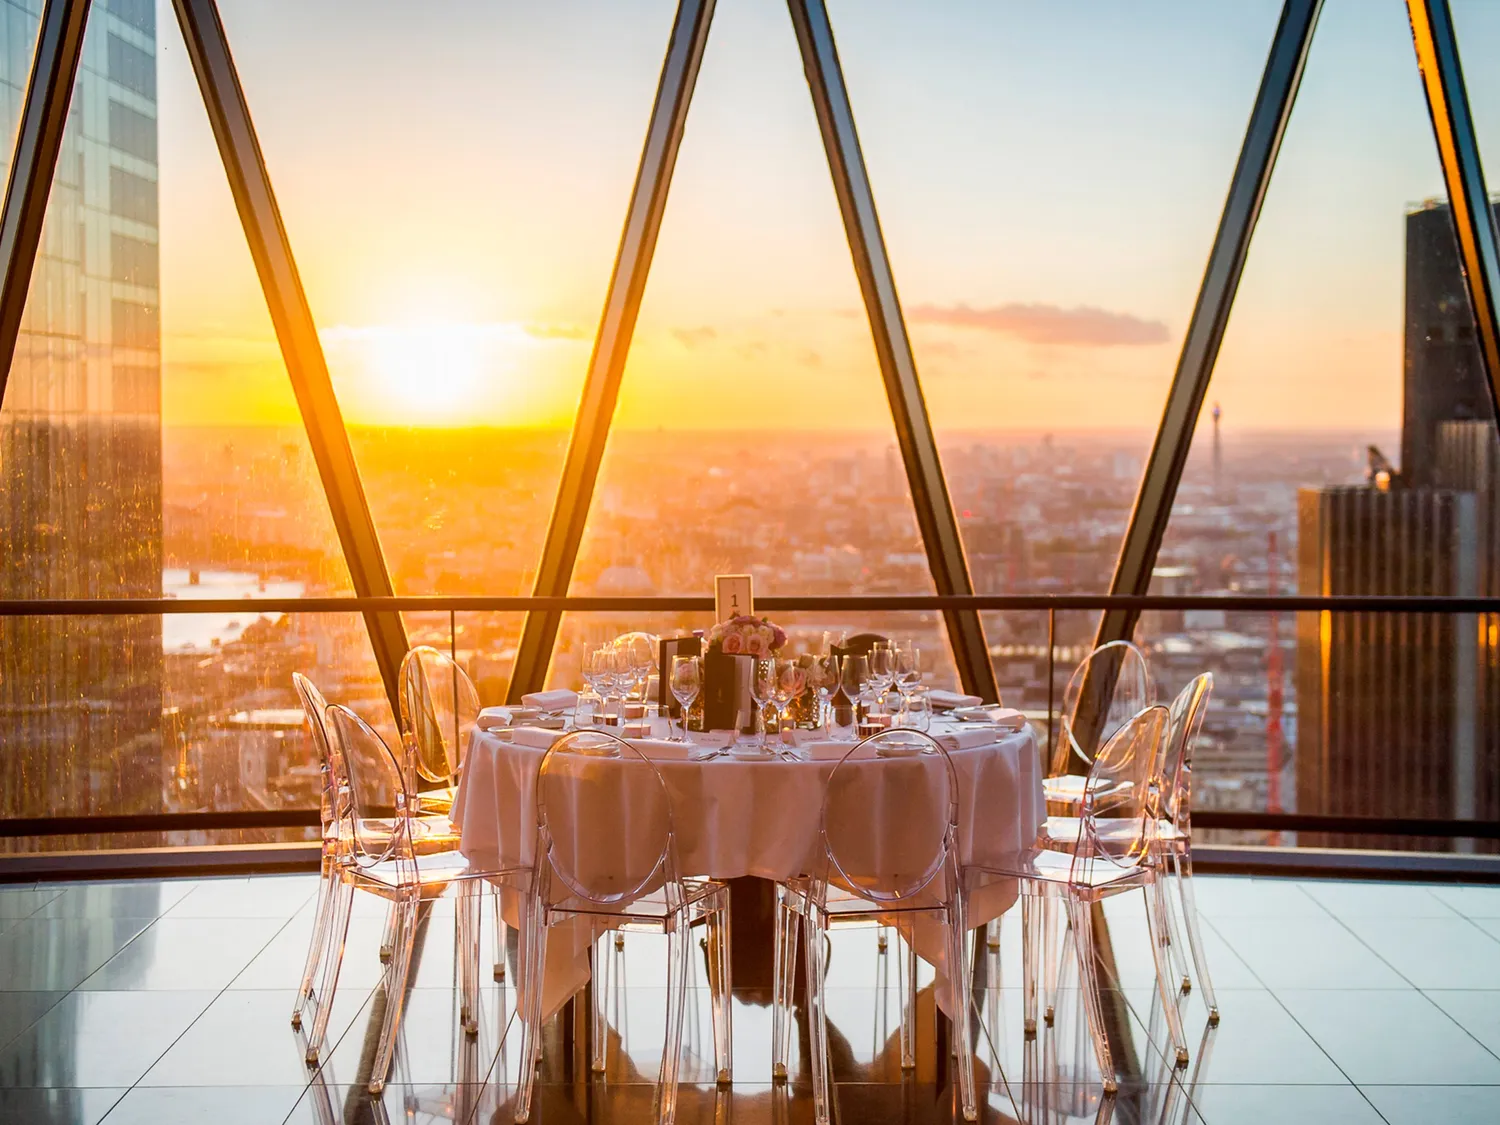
1436,44
33,161
296,330
622,306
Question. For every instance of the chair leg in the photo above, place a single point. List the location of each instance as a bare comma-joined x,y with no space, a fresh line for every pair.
533,955
1164,982
395,990
599,1033
908,934
1171,933
1182,860
817,1018
388,936
1083,945
783,974
679,951
500,939
333,960
721,986
326,888
1049,959
960,980
1031,907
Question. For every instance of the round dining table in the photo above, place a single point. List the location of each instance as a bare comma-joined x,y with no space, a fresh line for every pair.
734,816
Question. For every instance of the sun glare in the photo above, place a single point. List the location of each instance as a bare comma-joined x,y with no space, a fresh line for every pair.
431,370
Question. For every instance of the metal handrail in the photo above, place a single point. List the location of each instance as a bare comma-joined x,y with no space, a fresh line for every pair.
841,603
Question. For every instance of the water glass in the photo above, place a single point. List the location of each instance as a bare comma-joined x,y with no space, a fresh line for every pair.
854,674
762,691
917,712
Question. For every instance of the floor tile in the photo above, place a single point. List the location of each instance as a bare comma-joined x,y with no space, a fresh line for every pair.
1291,1105
430,1047
260,896
324,1102
56,1107
1241,897
145,898
43,954
18,902
247,1038
1433,952
19,1010
1392,1037
100,1038
1478,1013
1378,900
188,953
1421,1105
280,961
192,1105
1471,901
1306,953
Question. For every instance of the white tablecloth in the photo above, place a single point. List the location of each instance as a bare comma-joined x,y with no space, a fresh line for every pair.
733,817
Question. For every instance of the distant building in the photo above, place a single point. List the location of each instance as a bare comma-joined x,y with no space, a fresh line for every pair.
1396,710
1443,377
80,442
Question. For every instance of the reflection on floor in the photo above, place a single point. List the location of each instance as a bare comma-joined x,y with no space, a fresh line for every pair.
167,1002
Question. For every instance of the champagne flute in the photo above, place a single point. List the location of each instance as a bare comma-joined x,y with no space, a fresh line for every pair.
762,689
789,682
686,683
824,678
854,672
882,671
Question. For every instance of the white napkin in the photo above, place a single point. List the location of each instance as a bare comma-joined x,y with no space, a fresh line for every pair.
560,699
947,700
492,718
967,738
535,737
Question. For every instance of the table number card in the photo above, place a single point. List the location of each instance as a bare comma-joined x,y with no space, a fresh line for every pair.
734,594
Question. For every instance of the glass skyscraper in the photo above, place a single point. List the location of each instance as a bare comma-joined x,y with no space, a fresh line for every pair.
80,441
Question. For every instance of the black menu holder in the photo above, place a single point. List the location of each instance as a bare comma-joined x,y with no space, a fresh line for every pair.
727,703
670,647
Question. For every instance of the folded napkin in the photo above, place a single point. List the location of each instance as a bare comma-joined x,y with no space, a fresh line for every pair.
966,738
535,737
947,700
560,699
1006,718
493,718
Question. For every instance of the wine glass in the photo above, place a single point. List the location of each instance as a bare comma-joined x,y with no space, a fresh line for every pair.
854,673
823,676
686,682
791,678
908,671
882,670
638,651
762,690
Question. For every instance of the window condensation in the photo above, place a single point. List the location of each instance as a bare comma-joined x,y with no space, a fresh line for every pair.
136,325
133,261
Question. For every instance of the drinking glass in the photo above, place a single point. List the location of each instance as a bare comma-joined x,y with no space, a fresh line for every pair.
854,674
917,711
882,670
824,678
762,689
791,678
686,683
593,668
908,671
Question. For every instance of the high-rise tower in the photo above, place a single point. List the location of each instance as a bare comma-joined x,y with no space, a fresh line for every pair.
80,442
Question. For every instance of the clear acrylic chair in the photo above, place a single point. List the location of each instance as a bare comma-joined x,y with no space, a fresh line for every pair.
431,832
1119,669
889,823
1172,855
606,856
387,862
1116,806
439,711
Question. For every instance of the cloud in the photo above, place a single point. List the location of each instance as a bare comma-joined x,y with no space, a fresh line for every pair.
1080,326
692,338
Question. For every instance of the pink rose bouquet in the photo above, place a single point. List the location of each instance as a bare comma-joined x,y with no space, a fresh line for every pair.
747,636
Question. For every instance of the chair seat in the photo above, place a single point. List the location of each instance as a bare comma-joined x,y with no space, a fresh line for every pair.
436,801
1063,831
651,908
843,906
430,834
1044,865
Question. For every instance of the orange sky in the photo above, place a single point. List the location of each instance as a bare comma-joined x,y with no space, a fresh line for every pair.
1048,218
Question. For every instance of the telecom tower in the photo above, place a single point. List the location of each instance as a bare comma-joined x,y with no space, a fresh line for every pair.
1218,457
